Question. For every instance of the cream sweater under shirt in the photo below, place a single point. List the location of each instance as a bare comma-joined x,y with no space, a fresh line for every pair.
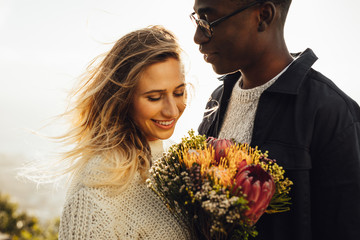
240,115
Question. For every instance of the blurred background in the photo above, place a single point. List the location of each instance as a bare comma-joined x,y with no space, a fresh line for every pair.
46,44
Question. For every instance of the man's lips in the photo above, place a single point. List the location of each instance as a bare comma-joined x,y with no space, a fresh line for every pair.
209,57
208,54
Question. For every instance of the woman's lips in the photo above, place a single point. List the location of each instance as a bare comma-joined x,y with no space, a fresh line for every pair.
164,124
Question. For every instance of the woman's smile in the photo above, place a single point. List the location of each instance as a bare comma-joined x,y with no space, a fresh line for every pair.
159,99
164,123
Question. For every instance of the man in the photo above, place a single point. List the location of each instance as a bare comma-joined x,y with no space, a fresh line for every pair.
276,101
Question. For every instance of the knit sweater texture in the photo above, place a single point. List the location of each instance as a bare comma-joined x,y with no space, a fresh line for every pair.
240,115
239,118
103,213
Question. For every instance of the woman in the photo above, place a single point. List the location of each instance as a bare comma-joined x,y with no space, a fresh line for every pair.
124,106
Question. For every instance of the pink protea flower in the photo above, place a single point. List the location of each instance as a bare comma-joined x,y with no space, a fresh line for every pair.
241,164
220,146
258,187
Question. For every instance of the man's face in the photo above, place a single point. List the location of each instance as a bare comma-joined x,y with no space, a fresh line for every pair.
235,42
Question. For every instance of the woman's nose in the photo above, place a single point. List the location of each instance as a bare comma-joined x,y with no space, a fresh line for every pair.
170,108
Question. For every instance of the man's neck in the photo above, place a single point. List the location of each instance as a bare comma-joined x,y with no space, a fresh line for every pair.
264,70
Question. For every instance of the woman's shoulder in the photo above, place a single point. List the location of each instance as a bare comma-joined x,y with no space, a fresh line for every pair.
91,172
87,213
111,199
137,209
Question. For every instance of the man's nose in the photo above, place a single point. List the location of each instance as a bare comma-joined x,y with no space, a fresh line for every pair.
199,36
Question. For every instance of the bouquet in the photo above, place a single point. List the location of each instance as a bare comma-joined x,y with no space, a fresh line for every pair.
220,187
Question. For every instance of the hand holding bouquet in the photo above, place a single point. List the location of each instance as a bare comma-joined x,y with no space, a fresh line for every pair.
221,188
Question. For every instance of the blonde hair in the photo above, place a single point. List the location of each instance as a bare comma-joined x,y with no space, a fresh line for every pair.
101,124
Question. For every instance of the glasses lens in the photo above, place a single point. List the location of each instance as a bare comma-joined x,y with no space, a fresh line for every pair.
202,24
205,27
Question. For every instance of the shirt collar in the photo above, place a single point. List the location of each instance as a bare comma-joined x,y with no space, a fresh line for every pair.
290,81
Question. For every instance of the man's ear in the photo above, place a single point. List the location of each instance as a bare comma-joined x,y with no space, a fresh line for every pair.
266,16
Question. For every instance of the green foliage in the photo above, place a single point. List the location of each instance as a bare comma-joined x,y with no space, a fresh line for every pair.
20,226
193,141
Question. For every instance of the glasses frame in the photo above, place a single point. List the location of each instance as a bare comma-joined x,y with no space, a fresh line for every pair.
207,28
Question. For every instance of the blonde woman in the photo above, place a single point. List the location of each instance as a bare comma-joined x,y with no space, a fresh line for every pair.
124,107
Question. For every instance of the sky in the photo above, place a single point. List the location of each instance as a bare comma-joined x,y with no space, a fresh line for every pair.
46,44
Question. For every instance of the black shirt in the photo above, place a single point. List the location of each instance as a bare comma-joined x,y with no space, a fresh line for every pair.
312,129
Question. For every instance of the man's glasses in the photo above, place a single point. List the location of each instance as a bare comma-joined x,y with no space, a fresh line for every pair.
207,28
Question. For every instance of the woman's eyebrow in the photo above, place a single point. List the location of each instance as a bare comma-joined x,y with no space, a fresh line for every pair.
155,91
162,90
181,85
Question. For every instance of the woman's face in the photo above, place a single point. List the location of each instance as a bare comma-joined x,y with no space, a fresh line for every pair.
159,99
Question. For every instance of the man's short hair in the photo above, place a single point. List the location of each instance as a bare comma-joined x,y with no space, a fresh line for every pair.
283,4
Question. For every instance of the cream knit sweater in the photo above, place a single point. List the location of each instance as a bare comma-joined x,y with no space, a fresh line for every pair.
240,114
239,118
136,213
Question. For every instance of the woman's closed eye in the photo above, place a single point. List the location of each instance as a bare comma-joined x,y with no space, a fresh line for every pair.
154,98
179,93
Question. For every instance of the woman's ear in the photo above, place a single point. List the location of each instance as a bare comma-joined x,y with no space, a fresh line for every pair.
267,15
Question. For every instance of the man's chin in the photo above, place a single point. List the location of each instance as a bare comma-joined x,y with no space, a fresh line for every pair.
222,70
